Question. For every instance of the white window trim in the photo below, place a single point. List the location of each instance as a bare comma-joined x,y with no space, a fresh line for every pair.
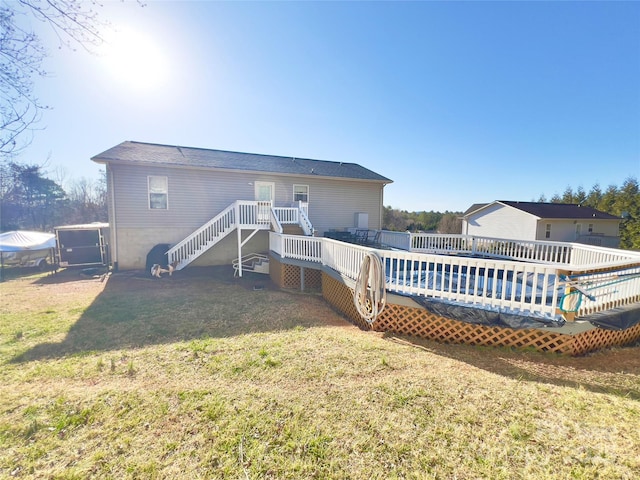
294,192
149,177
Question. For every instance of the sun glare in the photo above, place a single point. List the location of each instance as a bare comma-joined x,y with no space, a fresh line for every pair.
135,60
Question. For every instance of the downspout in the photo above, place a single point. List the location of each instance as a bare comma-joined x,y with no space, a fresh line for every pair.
381,209
113,231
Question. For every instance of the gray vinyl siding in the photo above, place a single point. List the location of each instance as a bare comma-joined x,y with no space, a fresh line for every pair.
197,195
333,204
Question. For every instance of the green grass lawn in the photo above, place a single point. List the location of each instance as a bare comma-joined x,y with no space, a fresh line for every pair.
203,376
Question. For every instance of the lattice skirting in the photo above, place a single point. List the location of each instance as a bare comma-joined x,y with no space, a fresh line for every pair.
421,323
288,276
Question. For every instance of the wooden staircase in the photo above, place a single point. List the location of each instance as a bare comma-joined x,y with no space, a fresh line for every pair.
292,230
248,215
212,232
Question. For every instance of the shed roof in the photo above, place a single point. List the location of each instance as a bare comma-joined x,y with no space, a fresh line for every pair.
549,210
168,155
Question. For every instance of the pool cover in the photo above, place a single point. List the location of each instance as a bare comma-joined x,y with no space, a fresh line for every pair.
486,315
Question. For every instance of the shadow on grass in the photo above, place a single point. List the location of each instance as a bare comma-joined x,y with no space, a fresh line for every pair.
71,274
610,371
135,310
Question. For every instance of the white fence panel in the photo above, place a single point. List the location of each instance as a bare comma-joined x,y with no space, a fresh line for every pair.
400,240
530,285
287,215
303,248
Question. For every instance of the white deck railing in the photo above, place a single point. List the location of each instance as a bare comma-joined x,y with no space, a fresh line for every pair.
401,240
529,282
247,214
287,215
572,255
199,241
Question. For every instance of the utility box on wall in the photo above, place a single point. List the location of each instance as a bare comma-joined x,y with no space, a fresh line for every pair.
362,220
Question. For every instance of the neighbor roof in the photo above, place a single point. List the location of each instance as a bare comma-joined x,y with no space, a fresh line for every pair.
167,155
550,210
474,207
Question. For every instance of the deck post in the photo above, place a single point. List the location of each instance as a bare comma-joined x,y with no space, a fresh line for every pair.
239,229
302,279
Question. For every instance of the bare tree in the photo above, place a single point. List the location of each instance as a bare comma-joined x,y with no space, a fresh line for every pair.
450,223
74,22
87,201
21,56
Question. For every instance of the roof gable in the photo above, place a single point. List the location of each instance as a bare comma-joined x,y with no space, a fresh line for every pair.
167,155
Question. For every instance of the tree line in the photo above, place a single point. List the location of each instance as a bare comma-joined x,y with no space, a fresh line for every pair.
622,202
29,200
403,220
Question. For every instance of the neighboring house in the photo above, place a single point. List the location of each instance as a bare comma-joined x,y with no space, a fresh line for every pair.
542,221
162,194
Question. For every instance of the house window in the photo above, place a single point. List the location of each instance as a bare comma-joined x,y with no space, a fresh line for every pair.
158,192
301,193
590,228
547,233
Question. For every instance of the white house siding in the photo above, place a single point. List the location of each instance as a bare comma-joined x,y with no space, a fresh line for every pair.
197,195
502,222
561,230
609,228
564,230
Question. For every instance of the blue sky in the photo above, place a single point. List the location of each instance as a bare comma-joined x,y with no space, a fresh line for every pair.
456,102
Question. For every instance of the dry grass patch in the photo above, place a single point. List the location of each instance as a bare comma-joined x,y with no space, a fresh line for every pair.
200,376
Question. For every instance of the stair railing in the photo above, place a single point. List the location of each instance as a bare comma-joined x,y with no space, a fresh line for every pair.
305,223
275,222
187,250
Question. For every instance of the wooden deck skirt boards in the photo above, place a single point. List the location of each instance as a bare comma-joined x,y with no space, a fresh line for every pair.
418,322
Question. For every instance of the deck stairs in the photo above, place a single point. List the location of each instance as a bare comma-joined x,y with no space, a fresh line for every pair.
253,262
292,230
244,215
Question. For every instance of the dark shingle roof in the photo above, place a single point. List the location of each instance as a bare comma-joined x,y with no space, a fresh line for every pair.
167,155
474,207
559,210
